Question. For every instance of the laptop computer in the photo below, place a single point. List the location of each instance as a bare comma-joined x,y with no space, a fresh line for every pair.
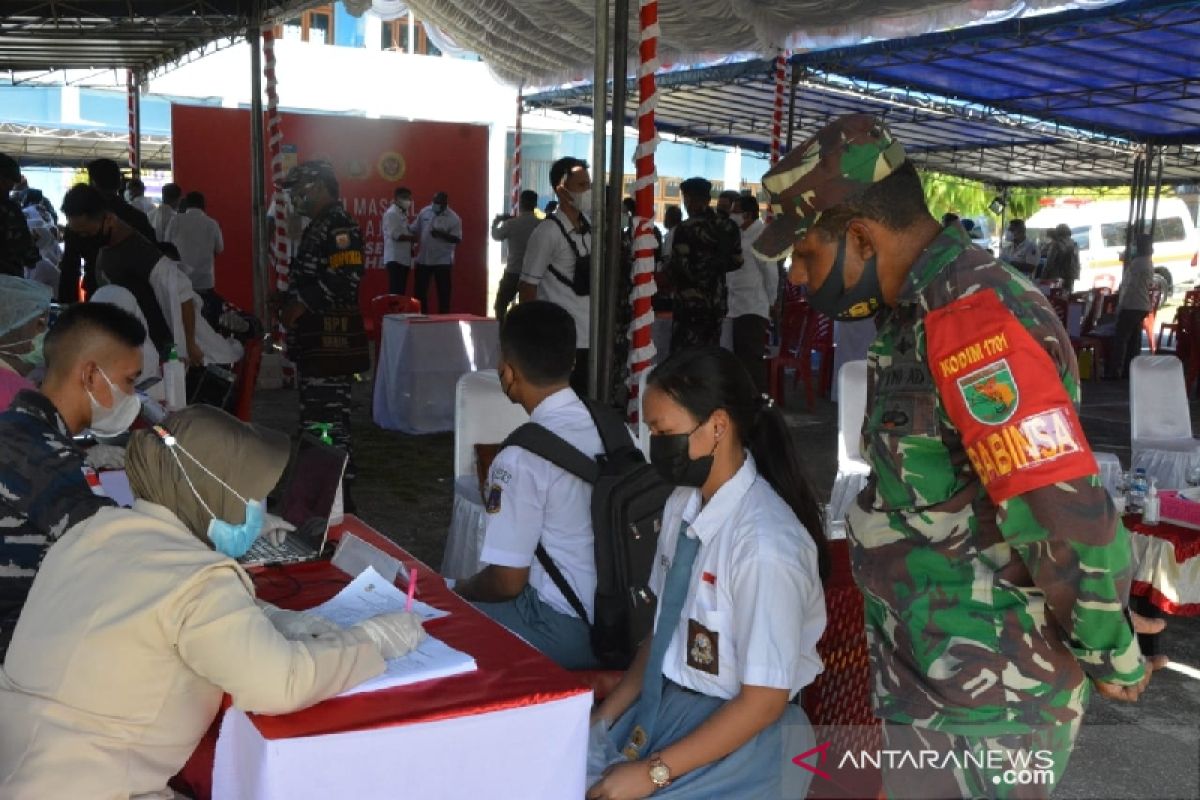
310,485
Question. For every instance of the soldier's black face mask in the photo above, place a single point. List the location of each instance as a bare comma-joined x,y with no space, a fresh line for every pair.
861,302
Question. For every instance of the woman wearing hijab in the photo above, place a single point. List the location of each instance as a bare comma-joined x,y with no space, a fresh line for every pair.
139,620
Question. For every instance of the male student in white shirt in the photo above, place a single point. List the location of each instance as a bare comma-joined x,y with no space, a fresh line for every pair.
560,252
752,290
530,501
398,241
198,238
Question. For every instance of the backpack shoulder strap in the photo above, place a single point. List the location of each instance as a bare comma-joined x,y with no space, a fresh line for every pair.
613,433
561,582
570,242
541,442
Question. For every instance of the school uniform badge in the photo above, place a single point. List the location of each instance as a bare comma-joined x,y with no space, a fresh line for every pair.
342,240
703,648
492,505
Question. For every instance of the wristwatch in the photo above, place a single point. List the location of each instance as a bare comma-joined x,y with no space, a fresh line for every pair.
660,773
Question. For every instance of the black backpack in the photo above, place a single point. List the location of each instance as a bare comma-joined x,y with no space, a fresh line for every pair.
628,496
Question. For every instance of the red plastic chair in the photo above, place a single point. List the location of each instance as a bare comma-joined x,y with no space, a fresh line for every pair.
381,306
818,338
791,335
247,378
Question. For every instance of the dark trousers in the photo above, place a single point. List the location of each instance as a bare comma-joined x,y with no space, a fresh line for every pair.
441,275
397,278
506,293
327,401
1127,343
579,375
750,346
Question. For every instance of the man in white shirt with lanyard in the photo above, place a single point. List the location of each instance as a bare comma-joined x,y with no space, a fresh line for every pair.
530,501
398,241
752,290
558,258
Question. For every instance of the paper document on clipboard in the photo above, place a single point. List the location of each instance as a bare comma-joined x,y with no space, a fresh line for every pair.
370,595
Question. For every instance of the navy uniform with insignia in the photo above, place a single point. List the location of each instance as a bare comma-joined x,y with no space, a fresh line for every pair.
325,336
17,248
43,493
704,248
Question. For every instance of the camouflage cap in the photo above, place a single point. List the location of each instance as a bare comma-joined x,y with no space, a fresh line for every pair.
840,161
310,172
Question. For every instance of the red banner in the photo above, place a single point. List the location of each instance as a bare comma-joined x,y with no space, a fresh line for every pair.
1001,389
372,157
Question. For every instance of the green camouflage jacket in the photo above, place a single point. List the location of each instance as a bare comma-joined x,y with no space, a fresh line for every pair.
984,616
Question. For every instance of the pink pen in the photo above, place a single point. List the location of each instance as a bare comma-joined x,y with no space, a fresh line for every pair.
412,589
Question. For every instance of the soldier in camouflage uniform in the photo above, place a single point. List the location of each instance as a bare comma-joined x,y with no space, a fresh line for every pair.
703,249
994,567
324,278
17,248
92,348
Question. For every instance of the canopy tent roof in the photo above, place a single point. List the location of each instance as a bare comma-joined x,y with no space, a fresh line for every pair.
41,146
1001,143
142,35
1129,70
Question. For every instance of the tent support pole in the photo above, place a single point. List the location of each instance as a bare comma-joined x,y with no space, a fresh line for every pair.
1003,213
258,167
599,218
795,76
135,123
604,351
1156,153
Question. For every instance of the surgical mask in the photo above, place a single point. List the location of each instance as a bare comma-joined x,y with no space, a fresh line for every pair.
669,456
738,219
438,208
34,355
115,419
582,201
404,205
229,539
861,302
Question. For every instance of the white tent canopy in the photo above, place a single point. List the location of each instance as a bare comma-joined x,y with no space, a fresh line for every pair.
545,42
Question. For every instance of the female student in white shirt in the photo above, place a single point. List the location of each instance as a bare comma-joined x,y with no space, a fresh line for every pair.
704,709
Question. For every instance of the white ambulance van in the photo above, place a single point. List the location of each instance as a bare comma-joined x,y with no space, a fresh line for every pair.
1098,228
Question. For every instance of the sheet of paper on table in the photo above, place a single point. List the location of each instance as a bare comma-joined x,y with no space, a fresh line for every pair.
369,595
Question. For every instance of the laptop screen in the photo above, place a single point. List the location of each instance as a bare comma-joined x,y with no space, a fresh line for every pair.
312,484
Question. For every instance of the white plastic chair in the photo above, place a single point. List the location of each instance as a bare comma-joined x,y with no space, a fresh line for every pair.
852,468
1161,423
482,415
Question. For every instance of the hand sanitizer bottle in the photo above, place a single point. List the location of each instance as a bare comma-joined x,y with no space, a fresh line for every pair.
1150,512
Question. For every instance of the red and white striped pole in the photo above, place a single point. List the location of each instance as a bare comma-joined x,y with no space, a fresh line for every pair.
133,106
641,343
516,163
279,238
777,114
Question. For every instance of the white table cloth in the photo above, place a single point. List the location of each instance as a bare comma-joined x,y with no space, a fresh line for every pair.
420,361
481,755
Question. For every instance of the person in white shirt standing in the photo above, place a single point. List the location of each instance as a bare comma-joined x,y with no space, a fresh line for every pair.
530,501
705,709
161,219
398,241
1018,250
197,236
752,291
558,258
515,231
135,193
439,231
1133,304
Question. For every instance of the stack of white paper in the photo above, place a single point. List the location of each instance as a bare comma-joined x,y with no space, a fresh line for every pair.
369,595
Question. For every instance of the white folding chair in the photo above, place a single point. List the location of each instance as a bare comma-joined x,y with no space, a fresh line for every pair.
482,415
1160,421
852,468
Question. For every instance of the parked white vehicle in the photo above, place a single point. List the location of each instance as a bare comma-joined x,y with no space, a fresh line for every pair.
1098,228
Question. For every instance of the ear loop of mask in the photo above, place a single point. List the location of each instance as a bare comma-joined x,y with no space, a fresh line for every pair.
172,445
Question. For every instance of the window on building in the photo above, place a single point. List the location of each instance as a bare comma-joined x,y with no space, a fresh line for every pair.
394,35
314,25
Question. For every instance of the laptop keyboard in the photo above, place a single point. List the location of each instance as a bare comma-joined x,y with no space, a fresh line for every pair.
294,547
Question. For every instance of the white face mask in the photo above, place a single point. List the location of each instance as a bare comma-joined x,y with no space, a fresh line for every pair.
738,219
114,420
582,201
404,205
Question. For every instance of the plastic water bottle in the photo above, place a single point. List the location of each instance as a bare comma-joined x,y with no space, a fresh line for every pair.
175,381
1150,512
1138,488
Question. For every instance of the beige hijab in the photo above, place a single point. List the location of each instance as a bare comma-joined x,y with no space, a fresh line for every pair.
247,457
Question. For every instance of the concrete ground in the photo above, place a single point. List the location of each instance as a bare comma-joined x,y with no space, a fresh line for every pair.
1146,750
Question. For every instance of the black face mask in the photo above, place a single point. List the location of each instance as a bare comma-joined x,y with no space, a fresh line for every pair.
861,302
669,455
